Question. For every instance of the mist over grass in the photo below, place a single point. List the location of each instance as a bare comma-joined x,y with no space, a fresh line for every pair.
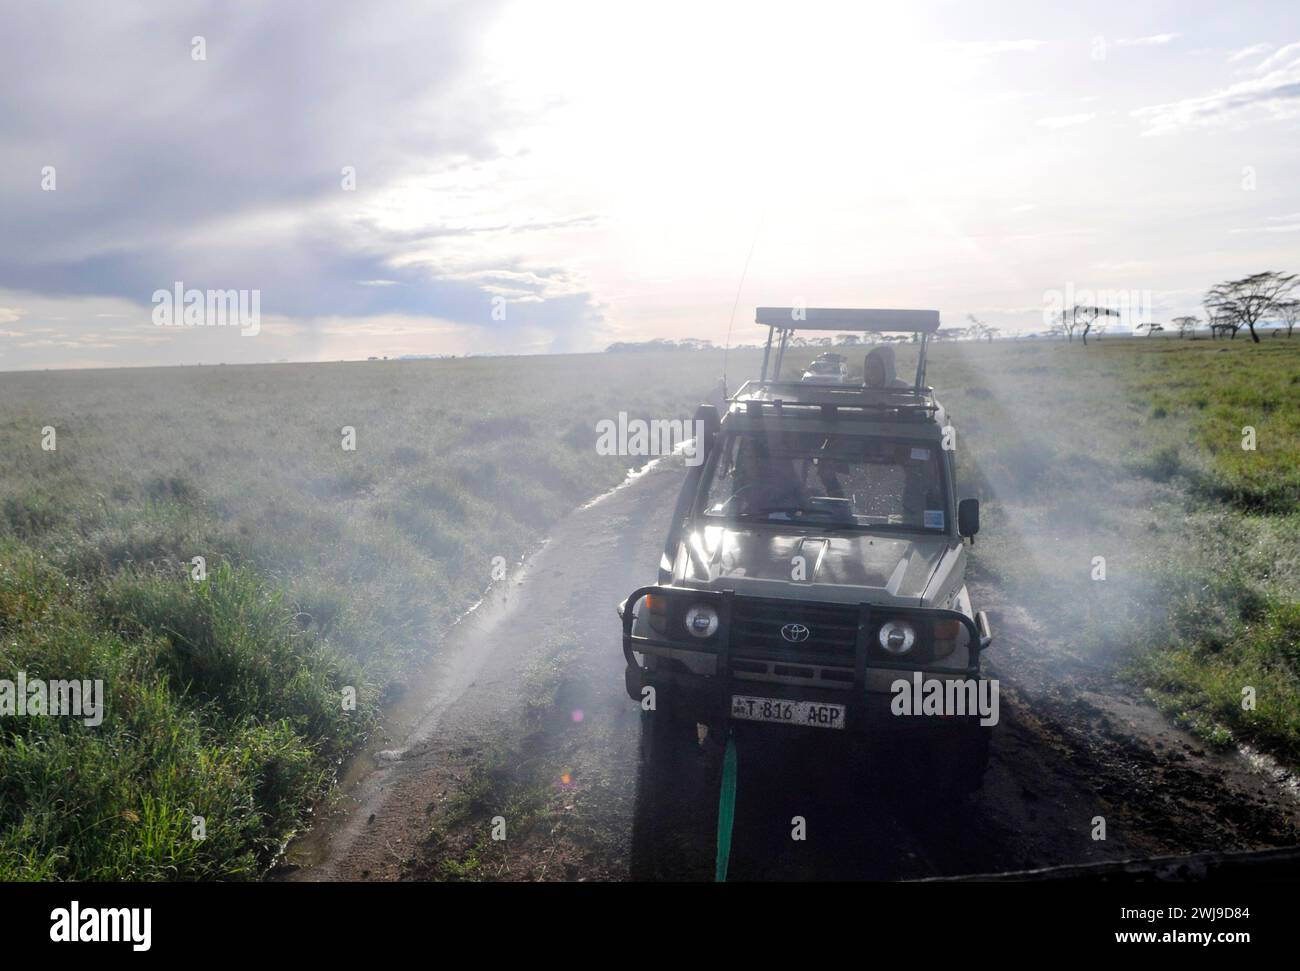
330,570
1130,450
326,570
1109,454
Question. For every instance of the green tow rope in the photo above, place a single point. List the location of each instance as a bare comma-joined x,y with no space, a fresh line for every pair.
726,810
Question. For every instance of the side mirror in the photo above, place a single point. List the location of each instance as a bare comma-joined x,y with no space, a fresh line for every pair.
707,420
968,518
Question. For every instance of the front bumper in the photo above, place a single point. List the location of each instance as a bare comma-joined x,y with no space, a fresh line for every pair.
697,681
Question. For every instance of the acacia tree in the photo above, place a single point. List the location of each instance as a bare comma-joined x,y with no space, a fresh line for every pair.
1151,328
1083,317
1249,300
1220,325
1185,325
1289,313
979,330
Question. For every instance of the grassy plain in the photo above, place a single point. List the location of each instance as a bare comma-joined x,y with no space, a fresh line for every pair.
330,569
326,570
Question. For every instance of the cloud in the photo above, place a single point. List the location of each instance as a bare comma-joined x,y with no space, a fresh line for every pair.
1067,121
1280,59
1273,95
228,172
1154,40
1289,223
1241,54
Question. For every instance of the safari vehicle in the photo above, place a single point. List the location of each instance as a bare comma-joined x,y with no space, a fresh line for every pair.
816,558
826,369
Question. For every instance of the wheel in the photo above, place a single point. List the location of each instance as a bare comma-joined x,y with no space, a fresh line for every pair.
669,744
671,825
632,682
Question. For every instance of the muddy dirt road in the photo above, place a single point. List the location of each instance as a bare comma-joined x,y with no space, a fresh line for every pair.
526,712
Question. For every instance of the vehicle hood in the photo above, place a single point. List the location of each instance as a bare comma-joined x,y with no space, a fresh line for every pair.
836,567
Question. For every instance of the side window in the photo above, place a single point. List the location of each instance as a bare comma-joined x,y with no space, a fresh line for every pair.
723,483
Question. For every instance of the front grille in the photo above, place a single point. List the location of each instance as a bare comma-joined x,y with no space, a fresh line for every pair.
756,625
817,676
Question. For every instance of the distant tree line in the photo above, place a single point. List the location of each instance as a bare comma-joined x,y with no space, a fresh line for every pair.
661,344
1229,306
1249,302
1234,304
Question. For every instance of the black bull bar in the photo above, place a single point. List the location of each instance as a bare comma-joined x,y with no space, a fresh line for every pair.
715,692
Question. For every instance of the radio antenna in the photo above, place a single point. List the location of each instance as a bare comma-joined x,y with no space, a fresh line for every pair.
726,349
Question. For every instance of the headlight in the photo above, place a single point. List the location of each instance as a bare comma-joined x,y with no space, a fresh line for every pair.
946,633
656,607
701,621
897,637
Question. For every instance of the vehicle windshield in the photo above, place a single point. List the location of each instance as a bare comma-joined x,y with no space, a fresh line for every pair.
842,480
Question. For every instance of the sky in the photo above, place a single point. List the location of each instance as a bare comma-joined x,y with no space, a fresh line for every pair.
538,177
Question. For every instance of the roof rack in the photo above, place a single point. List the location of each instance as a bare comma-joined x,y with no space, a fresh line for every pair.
786,320
757,397
826,318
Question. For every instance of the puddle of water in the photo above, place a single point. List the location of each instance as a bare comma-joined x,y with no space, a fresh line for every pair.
1267,766
633,475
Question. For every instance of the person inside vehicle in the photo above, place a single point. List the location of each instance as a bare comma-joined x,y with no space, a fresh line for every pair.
878,369
763,482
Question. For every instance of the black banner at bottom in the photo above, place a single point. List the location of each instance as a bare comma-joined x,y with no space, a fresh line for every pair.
930,920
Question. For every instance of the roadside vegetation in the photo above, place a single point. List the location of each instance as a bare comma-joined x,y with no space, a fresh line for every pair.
326,573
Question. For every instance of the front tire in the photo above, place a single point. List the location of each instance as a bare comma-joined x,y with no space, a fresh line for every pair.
669,745
671,822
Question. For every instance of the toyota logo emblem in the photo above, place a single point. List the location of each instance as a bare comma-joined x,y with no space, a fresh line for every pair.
795,633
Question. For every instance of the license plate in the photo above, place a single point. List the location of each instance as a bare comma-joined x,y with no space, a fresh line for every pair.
814,714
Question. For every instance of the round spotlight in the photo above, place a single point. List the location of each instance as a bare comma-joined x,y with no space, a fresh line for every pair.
701,620
897,637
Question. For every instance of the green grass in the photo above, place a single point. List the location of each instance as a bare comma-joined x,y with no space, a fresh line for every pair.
202,720
327,569
1206,683
1222,391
